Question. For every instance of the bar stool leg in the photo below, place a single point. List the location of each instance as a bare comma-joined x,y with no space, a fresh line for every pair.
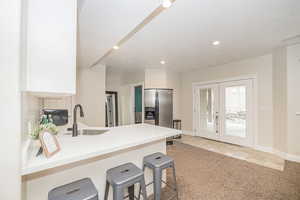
106,190
131,192
175,182
143,188
140,192
118,193
157,183
139,196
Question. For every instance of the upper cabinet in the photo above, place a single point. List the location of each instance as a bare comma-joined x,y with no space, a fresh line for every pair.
49,41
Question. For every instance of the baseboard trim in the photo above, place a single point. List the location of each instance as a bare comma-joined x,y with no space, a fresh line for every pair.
283,155
292,157
264,149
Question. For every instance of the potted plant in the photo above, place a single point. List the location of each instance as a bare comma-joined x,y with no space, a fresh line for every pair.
46,123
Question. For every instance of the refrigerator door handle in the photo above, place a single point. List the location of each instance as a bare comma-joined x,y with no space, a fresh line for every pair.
156,109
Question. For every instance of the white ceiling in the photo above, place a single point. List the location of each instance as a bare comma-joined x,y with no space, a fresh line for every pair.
103,23
182,35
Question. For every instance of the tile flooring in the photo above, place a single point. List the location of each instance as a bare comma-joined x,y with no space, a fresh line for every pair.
235,151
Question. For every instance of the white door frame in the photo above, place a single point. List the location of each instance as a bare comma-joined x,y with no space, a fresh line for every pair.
249,139
253,77
132,101
197,112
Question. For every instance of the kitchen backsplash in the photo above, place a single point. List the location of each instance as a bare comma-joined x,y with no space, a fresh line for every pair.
32,109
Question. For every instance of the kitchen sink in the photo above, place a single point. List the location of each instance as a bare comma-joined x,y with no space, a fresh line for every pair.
94,131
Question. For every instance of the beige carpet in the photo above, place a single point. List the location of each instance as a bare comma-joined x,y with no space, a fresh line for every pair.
206,175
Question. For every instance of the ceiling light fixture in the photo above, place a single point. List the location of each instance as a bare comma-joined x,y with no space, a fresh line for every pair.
166,3
116,47
215,43
162,62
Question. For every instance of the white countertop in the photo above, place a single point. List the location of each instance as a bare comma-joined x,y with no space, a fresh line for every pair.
88,146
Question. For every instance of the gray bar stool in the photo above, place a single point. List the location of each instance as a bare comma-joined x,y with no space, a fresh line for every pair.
82,189
158,162
124,176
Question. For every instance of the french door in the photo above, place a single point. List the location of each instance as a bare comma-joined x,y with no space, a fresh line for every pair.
224,111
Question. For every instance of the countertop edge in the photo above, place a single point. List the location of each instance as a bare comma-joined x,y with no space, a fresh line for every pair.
46,166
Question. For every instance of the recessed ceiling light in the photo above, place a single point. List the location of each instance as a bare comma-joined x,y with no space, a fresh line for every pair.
162,62
167,3
216,43
116,47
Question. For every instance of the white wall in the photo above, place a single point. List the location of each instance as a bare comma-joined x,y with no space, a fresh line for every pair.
91,94
114,78
10,118
125,105
133,77
280,99
293,99
174,82
261,66
156,78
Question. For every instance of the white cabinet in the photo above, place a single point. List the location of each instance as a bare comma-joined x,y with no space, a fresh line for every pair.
49,41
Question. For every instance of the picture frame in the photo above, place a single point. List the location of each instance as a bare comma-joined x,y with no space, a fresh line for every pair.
49,143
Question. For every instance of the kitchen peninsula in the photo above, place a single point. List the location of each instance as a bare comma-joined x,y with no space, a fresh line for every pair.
90,156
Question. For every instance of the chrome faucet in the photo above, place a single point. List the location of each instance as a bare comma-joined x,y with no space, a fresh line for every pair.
75,128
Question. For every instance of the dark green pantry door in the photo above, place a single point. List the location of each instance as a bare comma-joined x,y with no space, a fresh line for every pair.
138,98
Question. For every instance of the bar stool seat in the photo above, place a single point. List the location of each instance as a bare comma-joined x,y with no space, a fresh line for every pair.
157,160
83,189
124,176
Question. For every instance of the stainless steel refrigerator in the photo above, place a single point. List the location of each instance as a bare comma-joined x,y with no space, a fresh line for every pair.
159,107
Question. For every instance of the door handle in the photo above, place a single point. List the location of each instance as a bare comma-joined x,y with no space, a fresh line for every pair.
217,122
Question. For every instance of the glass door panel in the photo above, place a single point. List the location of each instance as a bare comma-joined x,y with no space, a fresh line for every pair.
235,111
207,101
206,109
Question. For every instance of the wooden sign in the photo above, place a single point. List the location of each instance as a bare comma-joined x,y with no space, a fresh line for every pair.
49,143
